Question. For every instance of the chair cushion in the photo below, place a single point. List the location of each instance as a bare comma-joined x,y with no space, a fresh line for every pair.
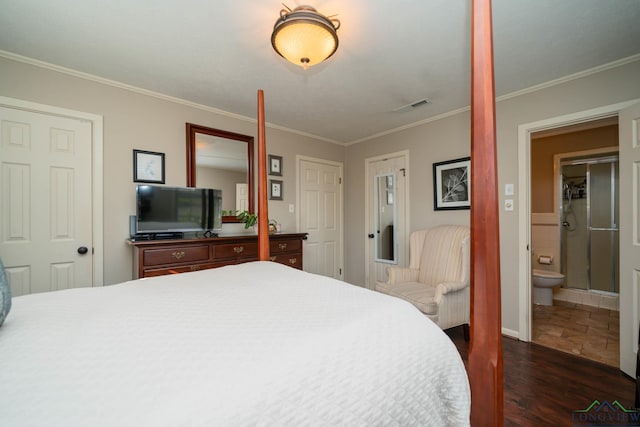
441,259
418,294
5,294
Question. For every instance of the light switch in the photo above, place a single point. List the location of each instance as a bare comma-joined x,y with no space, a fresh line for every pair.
508,205
508,189
291,208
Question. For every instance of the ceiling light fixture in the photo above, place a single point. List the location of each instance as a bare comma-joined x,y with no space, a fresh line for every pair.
305,37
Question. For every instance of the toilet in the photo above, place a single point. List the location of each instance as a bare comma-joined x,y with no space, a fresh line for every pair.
543,283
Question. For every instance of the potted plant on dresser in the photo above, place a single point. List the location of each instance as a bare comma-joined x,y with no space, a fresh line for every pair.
250,220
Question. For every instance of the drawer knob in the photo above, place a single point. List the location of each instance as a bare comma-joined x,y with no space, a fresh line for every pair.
282,246
272,258
178,254
195,267
238,249
293,261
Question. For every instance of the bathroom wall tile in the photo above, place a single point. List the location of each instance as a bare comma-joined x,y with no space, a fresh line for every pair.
591,299
545,242
560,295
611,303
575,297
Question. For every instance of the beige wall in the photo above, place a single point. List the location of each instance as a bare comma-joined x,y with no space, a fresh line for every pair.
449,139
542,152
134,120
441,140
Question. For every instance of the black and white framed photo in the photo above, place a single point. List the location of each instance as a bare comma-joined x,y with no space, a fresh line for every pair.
451,184
275,189
148,166
275,165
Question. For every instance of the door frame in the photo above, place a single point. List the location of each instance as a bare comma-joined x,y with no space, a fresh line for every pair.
368,202
524,199
96,171
300,158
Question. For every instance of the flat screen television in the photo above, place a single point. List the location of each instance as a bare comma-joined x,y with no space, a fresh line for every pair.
161,209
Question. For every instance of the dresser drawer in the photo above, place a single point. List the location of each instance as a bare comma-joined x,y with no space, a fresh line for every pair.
282,246
174,255
236,250
162,257
180,269
292,260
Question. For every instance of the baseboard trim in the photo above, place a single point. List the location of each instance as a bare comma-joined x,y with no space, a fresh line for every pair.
510,333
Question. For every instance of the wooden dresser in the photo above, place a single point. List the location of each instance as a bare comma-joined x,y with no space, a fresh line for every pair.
160,257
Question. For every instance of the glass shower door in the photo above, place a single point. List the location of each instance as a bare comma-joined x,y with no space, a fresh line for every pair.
603,226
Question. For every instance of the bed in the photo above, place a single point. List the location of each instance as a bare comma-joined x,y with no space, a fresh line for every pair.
253,344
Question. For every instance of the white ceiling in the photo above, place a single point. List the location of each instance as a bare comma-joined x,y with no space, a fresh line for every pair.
218,53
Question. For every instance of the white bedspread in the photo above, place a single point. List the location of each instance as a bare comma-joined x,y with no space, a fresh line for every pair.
256,344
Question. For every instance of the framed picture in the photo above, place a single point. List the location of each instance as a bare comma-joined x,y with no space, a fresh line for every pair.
275,165
148,166
451,184
275,189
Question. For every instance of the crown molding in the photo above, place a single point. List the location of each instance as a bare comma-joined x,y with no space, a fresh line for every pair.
570,77
535,88
90,77
113,83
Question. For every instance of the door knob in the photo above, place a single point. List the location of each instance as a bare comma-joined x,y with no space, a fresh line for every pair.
82,250
371,235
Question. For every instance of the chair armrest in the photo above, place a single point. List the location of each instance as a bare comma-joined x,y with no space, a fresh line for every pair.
446,287
400,274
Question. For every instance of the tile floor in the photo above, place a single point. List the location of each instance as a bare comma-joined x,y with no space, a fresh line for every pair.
583,330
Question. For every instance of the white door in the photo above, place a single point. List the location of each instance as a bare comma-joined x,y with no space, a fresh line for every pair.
386,243
46,197
320,186
629,128
242,197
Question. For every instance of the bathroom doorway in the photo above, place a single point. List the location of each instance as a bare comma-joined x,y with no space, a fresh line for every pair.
574,222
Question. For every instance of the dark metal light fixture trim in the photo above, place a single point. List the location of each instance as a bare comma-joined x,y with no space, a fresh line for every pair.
305,37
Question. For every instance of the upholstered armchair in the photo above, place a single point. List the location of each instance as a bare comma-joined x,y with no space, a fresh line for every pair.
437,279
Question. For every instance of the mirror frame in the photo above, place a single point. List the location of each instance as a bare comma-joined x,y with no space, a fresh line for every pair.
192,129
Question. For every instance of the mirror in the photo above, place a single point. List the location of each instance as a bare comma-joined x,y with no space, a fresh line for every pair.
385,217
222,160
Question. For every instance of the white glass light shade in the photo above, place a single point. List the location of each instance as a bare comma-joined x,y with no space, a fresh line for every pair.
304,37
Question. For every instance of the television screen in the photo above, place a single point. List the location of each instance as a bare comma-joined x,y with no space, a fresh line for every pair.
161,209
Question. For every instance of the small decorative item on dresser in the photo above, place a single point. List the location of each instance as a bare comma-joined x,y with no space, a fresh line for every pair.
275,165
148,166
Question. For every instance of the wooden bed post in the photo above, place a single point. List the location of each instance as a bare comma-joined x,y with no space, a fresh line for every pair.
485,349
263,210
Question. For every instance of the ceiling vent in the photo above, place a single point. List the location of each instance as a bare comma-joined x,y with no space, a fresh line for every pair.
411,106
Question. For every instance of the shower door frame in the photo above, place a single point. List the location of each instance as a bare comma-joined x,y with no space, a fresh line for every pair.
602,155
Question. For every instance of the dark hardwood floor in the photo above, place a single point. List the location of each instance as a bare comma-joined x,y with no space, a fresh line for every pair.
543,386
